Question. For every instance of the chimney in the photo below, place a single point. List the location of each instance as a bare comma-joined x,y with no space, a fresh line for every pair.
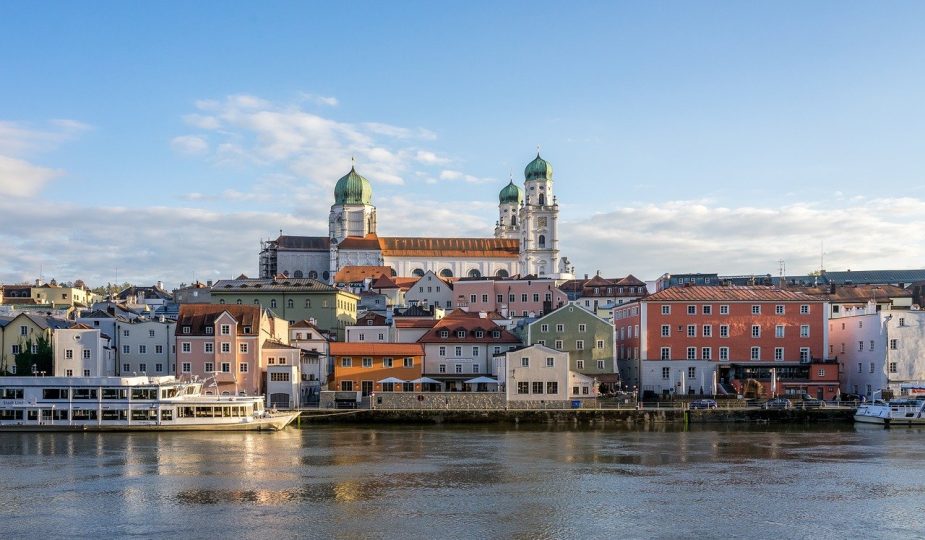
160,285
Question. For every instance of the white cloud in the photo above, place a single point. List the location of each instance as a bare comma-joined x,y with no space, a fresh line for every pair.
328,101
19,178
189,145
430,158
449,174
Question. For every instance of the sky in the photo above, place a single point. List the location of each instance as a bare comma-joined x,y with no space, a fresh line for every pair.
163,141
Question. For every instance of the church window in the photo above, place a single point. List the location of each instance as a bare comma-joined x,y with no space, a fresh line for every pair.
273,303
290,303
514,221
298,274
308,302
446,272
542,199
313,275
417,272
326,275
475,273
542,240
502,274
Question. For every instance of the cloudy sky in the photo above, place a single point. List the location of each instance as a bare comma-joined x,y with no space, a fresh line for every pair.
163,141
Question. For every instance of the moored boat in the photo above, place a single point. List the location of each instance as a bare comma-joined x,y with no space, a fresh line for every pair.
905,411
128,404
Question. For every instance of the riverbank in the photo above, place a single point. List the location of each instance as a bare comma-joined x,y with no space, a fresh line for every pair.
578,417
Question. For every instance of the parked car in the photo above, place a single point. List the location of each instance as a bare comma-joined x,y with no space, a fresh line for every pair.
702,404
778,403
810,402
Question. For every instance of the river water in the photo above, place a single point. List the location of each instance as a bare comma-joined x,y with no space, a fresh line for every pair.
467,482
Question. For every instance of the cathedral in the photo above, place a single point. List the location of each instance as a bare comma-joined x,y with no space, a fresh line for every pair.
526,240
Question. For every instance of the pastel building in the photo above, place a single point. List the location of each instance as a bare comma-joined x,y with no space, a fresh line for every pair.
431,290
586,338
512,298
81,351
540,374
227,343
377,367
145,347
692,339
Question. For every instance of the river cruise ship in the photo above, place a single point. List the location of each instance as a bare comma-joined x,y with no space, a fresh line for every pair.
127,404
905,411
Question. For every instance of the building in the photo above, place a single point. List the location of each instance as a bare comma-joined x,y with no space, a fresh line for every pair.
879,351
154,296
461,346
316,366
370,328
667,281
525,241
377,367
145,347
513,298
81,351
430,290
600,295
586,338
292,299
28,331
227,345
51,293
685,340
197,293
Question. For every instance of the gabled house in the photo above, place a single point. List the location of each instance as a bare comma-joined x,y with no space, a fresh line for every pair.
431,290
370,328
587,338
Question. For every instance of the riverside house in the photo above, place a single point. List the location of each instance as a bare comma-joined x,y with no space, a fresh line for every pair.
377,367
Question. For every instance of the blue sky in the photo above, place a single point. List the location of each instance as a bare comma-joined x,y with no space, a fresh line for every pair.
162,141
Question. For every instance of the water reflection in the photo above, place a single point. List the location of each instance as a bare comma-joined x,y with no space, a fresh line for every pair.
526,482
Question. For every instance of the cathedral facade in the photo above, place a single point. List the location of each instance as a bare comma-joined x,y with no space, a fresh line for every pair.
526,239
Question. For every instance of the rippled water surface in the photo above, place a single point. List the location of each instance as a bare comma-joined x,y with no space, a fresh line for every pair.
439,482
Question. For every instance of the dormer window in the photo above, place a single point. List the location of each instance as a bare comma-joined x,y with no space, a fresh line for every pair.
209,330
496,334
369,322
247,329
186,329
479,334
444,333
460,333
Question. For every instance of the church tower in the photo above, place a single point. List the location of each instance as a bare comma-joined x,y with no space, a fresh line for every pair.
509,201
352,213
539,227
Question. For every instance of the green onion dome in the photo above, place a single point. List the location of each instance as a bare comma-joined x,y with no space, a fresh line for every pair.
353,189
511,193
538,169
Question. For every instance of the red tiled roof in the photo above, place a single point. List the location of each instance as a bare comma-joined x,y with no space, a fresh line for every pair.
732,293
376,349
414,323
459,320
450,247
351,274
368,242
199,316
858,293
377,320
384,282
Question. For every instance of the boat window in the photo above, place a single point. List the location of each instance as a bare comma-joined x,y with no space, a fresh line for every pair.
115,393
11,415
144,393
54,393
85,393
114,414
167,414
11,393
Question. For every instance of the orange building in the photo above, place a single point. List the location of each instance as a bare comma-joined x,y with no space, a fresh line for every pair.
690,340
363,367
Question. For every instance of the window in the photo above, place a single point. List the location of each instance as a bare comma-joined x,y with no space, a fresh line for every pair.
185,347
14,349
158,349
485,298
242,367
691,330
860,346
186,367
666,353
243,347
209,347
124,332
707,330
666,309
756,330
523,297
346,362
126,349
871,367
724,330
804,309
150,333
387,362
226,367
778,354
893,368
523,388
871,345
524,362
552,387
460,333
902,321
600,364
707,309
692,353
558,344
579,344
666,373
69,354
804,354
347,386
24,331
475,351
550,361
821,372
600,344
691,310
408,362
756,353
537,387
209,330
367,362
86,354
442,351
560,328
479,334
209,367
126,368
290,303
724,353
544,328
860,367
579,364
894,344
582,327
444,333
442,368
779,331
458,368
705,353
143,367
273,303
804,330
779,309
691,373
69,373
756,310
458,351
724,310
472,298
666,330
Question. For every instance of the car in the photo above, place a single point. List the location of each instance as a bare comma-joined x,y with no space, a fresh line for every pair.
702,404
778,403
810,402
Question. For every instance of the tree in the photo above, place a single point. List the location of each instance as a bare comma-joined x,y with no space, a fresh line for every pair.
36,353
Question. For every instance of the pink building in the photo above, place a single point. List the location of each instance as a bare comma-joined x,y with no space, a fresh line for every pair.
511,298
231,343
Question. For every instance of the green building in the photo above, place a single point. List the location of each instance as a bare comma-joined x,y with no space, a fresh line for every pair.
586,337
293,299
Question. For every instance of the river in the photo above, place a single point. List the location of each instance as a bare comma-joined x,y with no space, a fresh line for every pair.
467,482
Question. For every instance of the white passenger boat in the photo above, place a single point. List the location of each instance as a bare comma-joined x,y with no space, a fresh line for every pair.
127,404
904,411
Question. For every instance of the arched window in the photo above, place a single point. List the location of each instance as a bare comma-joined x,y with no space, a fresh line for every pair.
290,303
542,240
273,303
501,273
256,302
313,275
326,275
392,272
514,221
238,302
298,274
286,273
308,302
446,272
542,200
222,301
475,273
417,272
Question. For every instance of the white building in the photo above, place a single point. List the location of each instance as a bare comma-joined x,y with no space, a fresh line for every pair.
538,373
315,366
431,290
283,382
81,351
146,346
370,328
878,350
